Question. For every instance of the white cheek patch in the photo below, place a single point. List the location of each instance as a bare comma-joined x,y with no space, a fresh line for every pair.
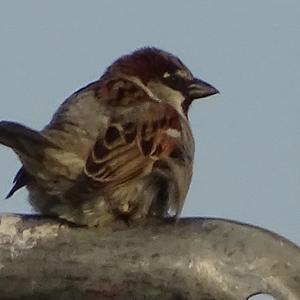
174,98
173,133
164,92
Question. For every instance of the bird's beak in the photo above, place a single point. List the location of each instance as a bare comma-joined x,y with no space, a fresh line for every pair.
200,89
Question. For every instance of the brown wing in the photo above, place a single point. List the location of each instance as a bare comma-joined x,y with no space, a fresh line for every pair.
135,140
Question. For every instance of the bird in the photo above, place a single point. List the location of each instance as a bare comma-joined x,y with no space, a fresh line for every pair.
120,148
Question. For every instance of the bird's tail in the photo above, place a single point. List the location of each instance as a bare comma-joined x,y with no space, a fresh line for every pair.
30,145
24,141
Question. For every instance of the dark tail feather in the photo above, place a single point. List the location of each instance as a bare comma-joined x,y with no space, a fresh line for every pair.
23,139
21,179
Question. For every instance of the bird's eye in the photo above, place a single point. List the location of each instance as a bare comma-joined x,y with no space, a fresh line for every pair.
174,81
174,78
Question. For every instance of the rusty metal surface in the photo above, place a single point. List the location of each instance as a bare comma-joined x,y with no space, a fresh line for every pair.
194,259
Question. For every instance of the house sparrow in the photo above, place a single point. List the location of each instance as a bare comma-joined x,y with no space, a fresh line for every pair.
119,148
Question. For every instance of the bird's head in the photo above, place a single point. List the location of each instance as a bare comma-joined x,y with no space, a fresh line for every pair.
164,75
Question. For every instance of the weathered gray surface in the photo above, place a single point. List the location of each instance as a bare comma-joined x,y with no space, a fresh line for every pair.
194,259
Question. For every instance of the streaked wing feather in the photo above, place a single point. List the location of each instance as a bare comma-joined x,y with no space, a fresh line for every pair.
134,141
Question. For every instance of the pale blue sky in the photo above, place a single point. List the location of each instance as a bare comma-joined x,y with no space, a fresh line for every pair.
247,138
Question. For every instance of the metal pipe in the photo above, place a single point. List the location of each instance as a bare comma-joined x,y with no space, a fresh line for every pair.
193,259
